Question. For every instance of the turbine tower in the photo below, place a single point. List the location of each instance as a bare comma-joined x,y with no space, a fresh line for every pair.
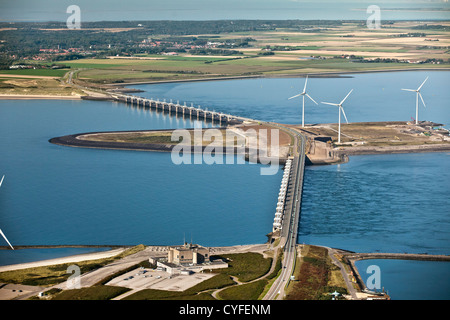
303,94
417,99
1,232
340,108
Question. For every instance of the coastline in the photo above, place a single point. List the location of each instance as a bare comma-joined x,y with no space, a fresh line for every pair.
349,259
342,153
37,97
330,74
117,250
74,141
363,150
66,259
350,256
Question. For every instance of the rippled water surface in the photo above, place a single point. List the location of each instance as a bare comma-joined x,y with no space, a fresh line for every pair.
387,203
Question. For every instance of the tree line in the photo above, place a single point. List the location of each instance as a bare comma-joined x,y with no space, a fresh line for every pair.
22,40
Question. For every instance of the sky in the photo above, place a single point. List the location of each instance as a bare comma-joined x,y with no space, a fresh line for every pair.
121,10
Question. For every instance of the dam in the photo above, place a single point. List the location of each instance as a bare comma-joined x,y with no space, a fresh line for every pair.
180,109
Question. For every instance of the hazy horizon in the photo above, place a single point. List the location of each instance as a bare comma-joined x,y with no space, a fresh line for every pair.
141,10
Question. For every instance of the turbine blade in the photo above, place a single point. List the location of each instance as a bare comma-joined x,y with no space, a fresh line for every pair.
295,96
422,84
331,104
2,180
4,237
311,98
306,81
422,99
343,112
346,97
409,90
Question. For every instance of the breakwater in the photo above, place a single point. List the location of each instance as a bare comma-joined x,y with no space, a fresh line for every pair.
351,258
75,140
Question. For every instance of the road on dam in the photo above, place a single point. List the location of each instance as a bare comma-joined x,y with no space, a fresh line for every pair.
288,237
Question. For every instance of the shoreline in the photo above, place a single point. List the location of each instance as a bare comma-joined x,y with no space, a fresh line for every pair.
329,74
342,153
74,141
113,252
425,148
37,97
64,259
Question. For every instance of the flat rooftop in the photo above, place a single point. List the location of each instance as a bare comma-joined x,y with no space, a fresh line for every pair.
140,279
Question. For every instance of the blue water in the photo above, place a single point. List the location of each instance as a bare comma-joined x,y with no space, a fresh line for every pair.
409,279
385,203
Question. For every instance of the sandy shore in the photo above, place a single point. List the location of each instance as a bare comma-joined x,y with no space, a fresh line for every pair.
322,74
69,259
111,253
31,97
23,76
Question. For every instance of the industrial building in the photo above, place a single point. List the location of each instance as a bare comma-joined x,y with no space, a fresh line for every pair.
188,254
186,259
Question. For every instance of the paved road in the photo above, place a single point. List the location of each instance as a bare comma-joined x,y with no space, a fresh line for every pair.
348,282
90,278
290,220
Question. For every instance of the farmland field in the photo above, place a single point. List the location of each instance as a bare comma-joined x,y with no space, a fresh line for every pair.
349,47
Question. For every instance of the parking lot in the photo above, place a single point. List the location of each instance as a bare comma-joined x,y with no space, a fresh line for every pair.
145,278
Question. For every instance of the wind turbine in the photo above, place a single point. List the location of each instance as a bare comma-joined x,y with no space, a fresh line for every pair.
1,232
417,99
343,112
303,94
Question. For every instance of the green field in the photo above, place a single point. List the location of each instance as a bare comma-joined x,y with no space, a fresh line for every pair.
37,72
348,39
54,274
245,267
154,70
316,276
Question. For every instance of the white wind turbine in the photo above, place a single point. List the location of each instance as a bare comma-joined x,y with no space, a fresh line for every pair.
417,99
343,112
303,94
1,232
